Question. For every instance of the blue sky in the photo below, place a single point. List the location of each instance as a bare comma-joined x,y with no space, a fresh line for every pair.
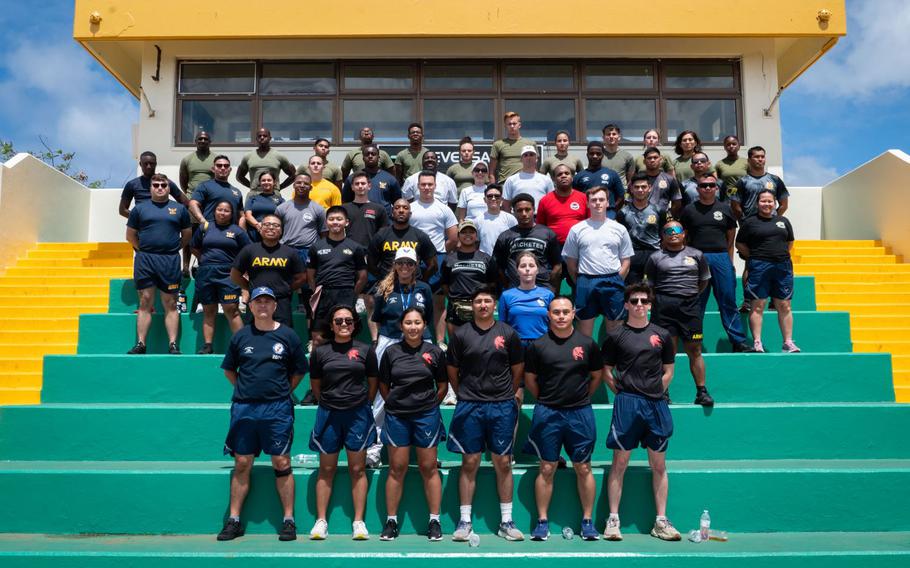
848,108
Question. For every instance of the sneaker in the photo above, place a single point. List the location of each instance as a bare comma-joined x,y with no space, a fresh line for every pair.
612,531
359,531
442,346
743,348
138,349
434,531
320,530
232,529
173,349
509,531
790,347
542,531
360,306
588,532
390,530
288,531
703,398
462,531
206,349
374,460
450,398
664,530
757,347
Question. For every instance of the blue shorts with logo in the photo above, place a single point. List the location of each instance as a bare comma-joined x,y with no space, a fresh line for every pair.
480,426
160,271
600,295
553,429
766,278
639,421
354,429
258,427
214,285
423,429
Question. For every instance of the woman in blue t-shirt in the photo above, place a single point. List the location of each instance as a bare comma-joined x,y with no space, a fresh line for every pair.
262,204
525,307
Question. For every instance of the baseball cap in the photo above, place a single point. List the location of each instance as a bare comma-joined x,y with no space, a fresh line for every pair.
528,150
261,291
406,253
466,224
479,164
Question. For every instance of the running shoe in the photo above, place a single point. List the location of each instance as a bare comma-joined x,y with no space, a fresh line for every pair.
703,398
790,347
173,349
743,348
434,531
359,531
288,531
320,530
612,531
664,530
509,531
758,347
232,529
588,532
462,531
542,531
390,530
206,349
138,349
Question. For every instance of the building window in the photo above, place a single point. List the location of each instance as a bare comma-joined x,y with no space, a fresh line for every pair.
301,100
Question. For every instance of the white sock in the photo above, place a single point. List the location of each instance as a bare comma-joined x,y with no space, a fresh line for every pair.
392,518
660,518
505,511
434,517
465,513
614,516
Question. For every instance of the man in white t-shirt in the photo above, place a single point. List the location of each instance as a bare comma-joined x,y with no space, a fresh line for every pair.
494,221
446,192
528,180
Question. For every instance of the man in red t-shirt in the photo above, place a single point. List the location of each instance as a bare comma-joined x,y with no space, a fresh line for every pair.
561,209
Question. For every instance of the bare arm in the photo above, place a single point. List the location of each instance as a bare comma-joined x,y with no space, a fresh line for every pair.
531,384
737,209
361,282
731,241
291,173
384,391
311,277
572,267
239,279
242,171
596,379
782,205
556,277
184,177
452,372
441,390
372,387
609,379
518,372
295,380
250,220
743,250
124,208
185,236
451,238
196,212
316,387
460,213
231,376
667,376
132,237
624,266
299,280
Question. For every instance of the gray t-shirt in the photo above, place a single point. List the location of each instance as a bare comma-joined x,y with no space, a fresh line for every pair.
677,273
433,219
599,246
548,166
664,190
643,225
490,226
302,223
534,184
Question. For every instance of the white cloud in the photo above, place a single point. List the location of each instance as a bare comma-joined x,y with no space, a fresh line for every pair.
872,57
807,171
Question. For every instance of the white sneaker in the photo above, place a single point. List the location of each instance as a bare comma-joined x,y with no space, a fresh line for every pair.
320,530
359,531
360,306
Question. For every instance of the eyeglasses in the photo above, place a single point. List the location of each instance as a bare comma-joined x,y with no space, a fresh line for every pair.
480,170
493,197
674,230
410,263
639,301
344,321
222,165
706,185
700,161
270,225
159,185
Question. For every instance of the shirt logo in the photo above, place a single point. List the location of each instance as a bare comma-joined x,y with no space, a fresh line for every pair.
383,184
171,210
389,246
781,224
578,353
323,251
499,342
278,349
574,206
348,251
652,219
353,354
688,260
307,216
248,350
540,302
229,234
427,358
235,192
769,185
273,262
718,216
656,341
662,184
418,297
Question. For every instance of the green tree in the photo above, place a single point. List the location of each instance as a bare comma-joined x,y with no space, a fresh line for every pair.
57,159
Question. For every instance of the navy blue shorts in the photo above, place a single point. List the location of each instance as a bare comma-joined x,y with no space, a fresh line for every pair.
303,253
600,295
553,429
435,281
214,285
258,427
423,430
354,429
639,421
480,426
160,271
773,279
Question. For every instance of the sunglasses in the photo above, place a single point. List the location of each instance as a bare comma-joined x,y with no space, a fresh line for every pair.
706,185
639,301
480,170
493,197
344,321
674,230
222,165
159,185
700,161
271,225
406,262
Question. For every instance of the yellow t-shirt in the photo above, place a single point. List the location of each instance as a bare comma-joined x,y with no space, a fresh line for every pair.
325,193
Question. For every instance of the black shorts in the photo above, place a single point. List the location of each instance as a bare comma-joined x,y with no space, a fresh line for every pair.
682,317
637,266
331,297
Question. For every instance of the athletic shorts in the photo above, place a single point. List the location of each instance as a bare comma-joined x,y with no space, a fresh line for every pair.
682,317
766,278
639,421
331,297
435,281
354,429
481,426
423,429
459,312
600,295
214,285
553,429
162,271
258,427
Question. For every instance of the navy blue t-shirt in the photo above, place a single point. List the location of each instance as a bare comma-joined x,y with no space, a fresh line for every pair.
387,311
586,179
220,244
140,189
159,225
261,205
211,192
264,362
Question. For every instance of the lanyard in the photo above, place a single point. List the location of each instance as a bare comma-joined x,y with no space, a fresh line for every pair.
405,300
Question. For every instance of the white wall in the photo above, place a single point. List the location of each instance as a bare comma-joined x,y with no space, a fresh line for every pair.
804,212
105,224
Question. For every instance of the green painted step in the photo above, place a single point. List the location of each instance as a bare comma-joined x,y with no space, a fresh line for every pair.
747,550
805,377
191,497
175,432
814,332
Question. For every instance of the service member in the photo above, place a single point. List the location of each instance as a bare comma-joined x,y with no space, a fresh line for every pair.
337,268
264,157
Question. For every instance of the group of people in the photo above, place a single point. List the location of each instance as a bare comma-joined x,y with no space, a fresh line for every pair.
432,257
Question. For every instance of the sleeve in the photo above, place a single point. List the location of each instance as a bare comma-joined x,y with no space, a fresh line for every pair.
735,193
175,191
316,371
675,190
440,374
425,248
243,239
382,218
185,222
625,245
242,260
385,161
576,181
134,220
445,272
531,360
240,205
503,309
128,191
284,163
782,192
196,241
372,364
336,197
230,361
507,189
320,215
548,184
595,357
742,236
542,217
347,163
553,250
297,365
378,305
385,369
492,271
790,236
668,350
494,151
516,352
408,190
616,188
452,192
449,218
651,270
312,257
570,247
499,251
608,351
429,294
621,217
462,202
393,193
704,271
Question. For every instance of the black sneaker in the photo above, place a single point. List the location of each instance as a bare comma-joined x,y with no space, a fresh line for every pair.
138,349
703,398
232,529
390,530
743,348
171,348
206,349
288,531
434,531
309,399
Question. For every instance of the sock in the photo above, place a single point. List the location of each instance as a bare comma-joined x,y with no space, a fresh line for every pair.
434,517
291,518
465,513
660,518
235,518
392,518
614,516
505,511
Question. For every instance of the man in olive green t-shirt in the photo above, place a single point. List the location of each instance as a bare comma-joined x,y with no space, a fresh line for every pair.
196,167
330,172
617,160
732,167
409,161
505,156
263,158
353,162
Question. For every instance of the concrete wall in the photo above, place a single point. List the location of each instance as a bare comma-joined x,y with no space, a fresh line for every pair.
804,212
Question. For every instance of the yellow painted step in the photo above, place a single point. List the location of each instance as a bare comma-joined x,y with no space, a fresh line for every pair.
889,346
53,281
859,321
859,288
902,378
880,333
77,262
840,259
49,290
121,246
20,349
902,394
20,380
19,396
857,277
837,243
872,271
39,337
20,365
859,297
8,323
61,311
64,301
866,309
96,271
85,254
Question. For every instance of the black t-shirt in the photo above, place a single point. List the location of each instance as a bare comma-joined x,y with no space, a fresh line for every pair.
484,359
563,367
643,224
707,225
639,354
159,225
342,370
464,272
337,262
220,243
365,220
264,362
412,375
274,267
387,241
767,238
539,239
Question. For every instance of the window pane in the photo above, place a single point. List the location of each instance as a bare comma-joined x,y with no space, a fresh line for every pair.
297,79
292,121
633,116
639,76
454,119
388,119
699,76
713,120
225,121
541,78
378,77
217,78
454,77
541,119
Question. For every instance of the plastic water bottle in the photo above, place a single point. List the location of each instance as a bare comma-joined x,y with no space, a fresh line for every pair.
704,526
181,302
568,533
473,540
306,460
